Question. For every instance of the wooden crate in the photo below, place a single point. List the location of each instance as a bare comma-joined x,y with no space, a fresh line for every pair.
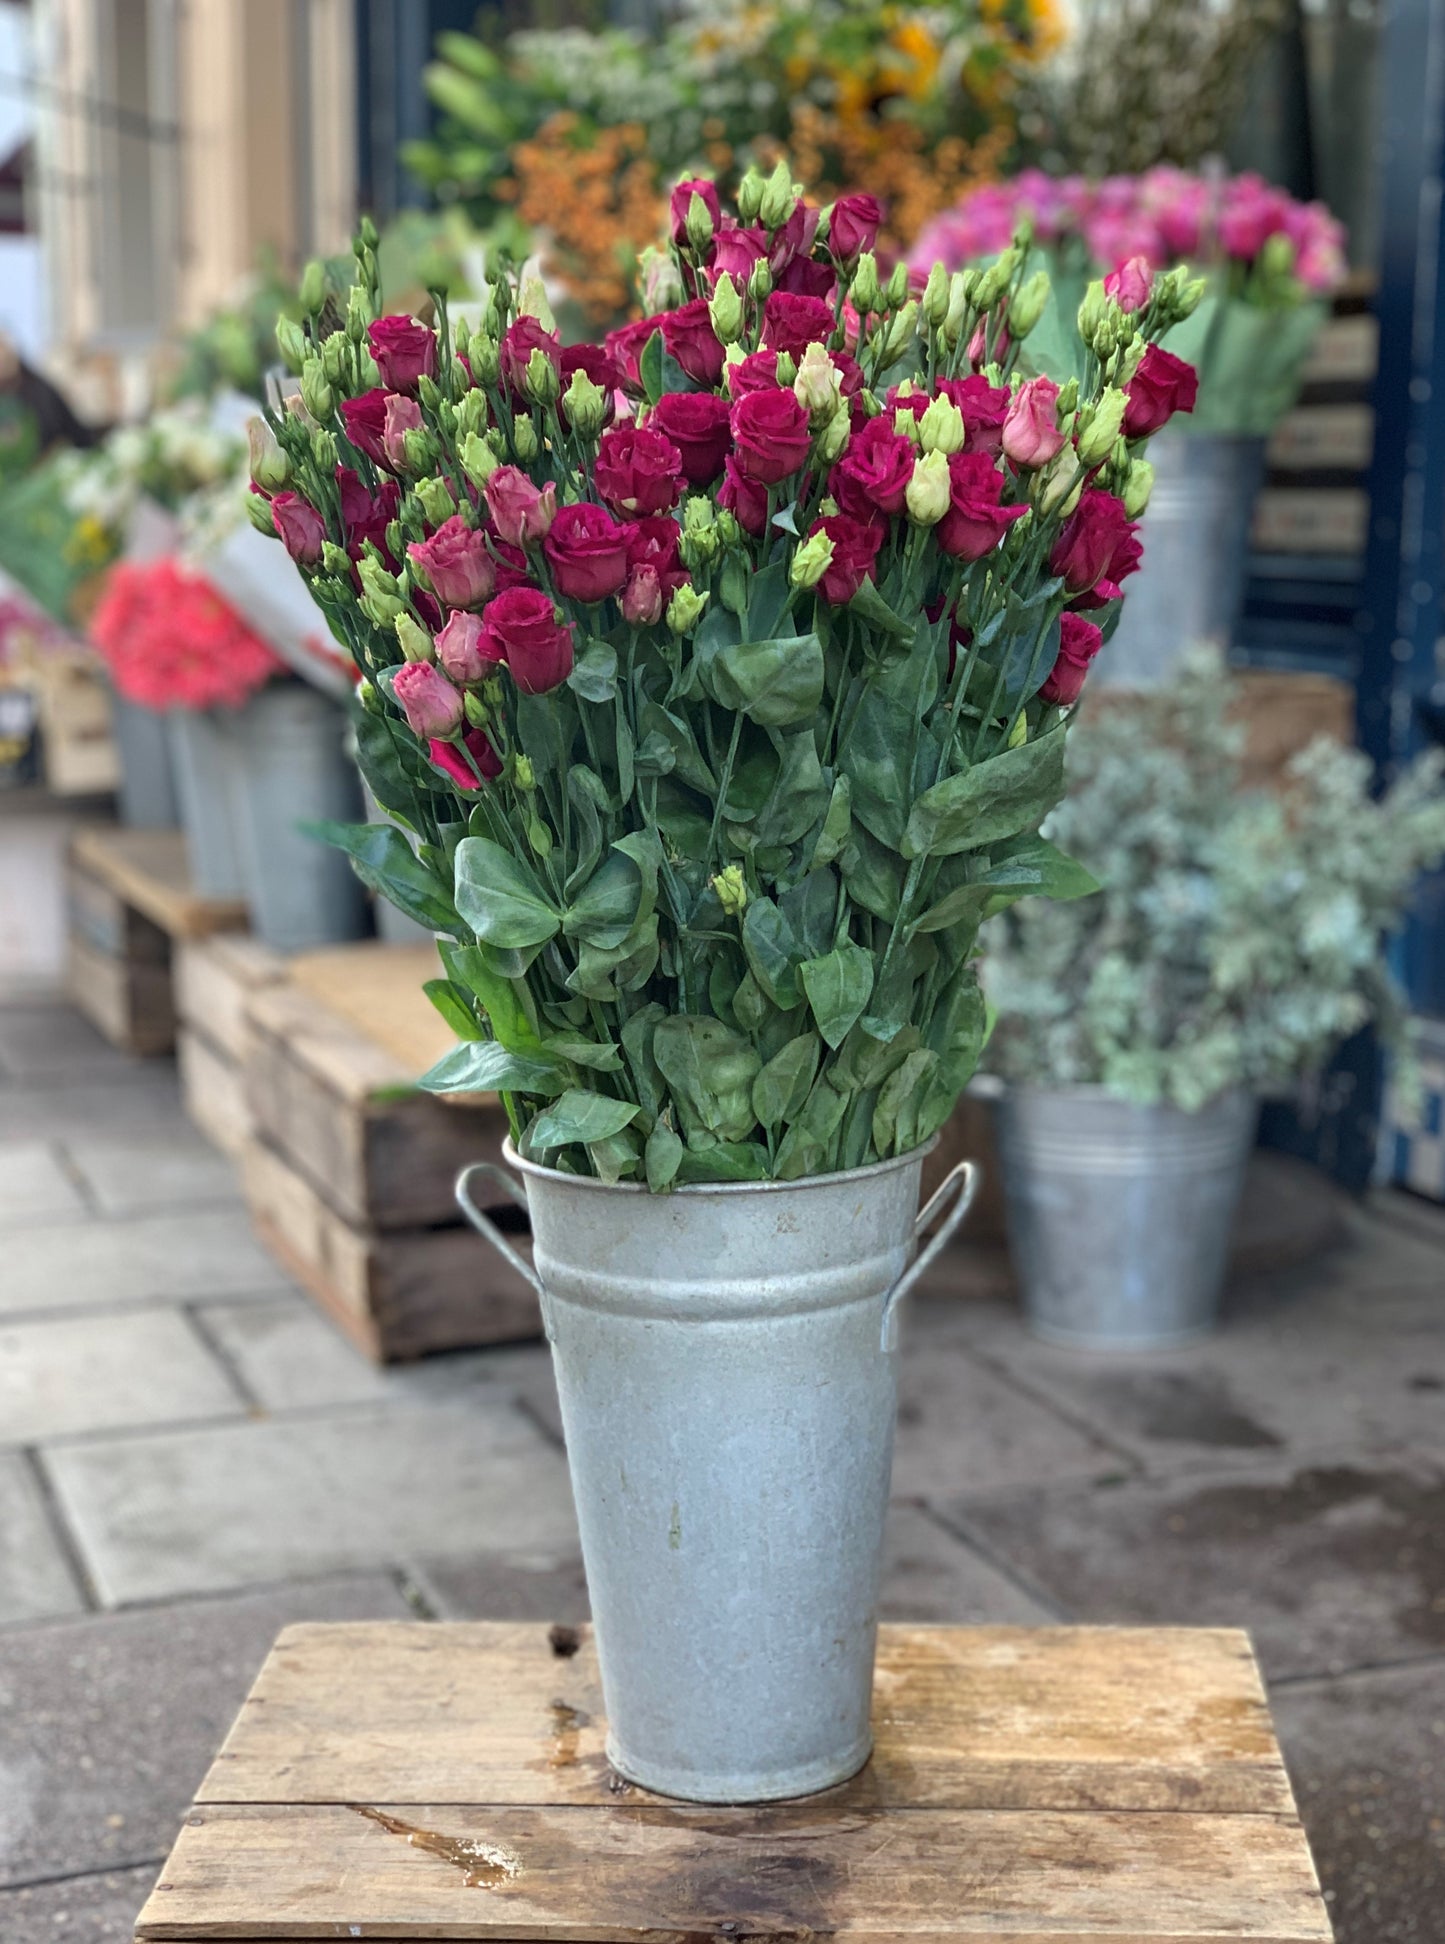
350,1171
1050,1786
130,900
214,981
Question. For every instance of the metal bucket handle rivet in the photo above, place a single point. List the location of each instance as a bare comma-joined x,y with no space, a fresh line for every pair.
961,1181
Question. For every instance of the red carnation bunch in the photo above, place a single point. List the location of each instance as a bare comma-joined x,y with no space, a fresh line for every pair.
172,643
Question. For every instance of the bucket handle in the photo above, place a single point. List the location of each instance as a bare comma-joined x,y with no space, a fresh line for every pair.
961,1182
486,1227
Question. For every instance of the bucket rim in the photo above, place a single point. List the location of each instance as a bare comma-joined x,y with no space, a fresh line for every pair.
872,1172
1097,1090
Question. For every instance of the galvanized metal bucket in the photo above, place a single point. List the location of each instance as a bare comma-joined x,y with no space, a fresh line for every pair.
724,1363
294,769
1195,534
208,791
147,781
1120,1216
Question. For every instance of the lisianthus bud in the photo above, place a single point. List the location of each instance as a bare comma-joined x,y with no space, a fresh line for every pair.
732,890
524,774
291,343
1191,295
684,610
941,428
1031,433
336,561
778,200
811,561
541,381
818,386
1138,487
258,512
1057,488
929,491
471,412
367,231
316,394
750,195
1091,310
381,592
956,315
368,697
659,281
464,650
436,500
323,449
1129,360
863,291
699,223
532,302
524,440
395,539
786,367
641,600
420,449
584,405
479,462
725,309
485,359
475,710
1099,426
313,287
1028,304
1068,400
413,640
897,337
270,468
760,281
523,513
335,352
358,314
896,289
429,392
989,285
907,427
833,438
935,296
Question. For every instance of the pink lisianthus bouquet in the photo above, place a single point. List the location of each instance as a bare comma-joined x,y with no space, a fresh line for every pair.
172,642
720,672
1269,263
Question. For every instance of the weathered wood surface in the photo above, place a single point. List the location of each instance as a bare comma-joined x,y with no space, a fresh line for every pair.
102,918
212,1091
393,1781
149,870
129,1001
398,1293
377,988
215,978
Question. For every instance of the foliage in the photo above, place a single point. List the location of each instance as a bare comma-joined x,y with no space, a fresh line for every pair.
176,452
709,800
915,101
1239,934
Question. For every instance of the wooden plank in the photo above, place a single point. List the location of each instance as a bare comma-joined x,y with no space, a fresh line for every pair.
1283,712
798,1871
1323,438
108,924
1297,520
399,1294
130,1003
148,868
212,1091
341,1108
377,988
214,981
1345,351
965,1718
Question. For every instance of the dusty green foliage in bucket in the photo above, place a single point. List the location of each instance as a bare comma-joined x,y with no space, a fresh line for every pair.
1239,934
716,678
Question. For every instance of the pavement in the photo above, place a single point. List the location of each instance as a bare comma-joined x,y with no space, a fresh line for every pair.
191,1458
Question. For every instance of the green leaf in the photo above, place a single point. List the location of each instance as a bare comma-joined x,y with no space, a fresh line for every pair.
767,602
500,898
594,673
608,907
467,965
485,1066
873,874
450,1001
578,1116
999,797
839,985
662,1156
649,367
874,612
637,1034
724,1161
804,1149
1032,868
710,1071
796,799
837,823
385,862
600,1055
615,1158
895,1118
773,953
776,683
782,1086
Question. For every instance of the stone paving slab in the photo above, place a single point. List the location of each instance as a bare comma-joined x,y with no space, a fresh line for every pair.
111,1721
1299,1375
35,1186
489,1586
101,1373
1334,1565
211,1509
1367,1758
35,1577
963,1429
139,1171
54,1042
99,1909
151,1258
148,1098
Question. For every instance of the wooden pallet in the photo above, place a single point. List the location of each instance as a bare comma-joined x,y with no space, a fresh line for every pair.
350,1171
130,901
1049,1786
214,981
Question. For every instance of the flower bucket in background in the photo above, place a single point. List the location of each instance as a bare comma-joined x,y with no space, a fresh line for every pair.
147,773
208,793
724,1360
1120,1216
1190,585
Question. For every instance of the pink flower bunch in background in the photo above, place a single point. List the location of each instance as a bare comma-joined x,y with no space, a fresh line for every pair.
1164,216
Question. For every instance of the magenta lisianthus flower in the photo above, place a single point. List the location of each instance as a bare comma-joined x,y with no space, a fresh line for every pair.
432,706
458,568
405,352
